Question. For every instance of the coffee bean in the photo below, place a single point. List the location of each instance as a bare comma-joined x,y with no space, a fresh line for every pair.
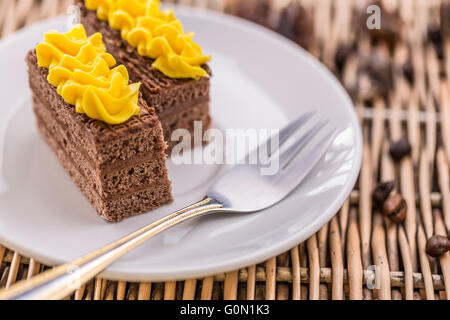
296,24
435,36
382,192
395,208
408,70
400,149
437,246
378,70
342,54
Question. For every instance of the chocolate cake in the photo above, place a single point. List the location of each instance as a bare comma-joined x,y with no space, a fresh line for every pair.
178,102
121,168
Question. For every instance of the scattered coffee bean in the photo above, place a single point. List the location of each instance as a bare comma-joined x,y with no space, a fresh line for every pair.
254,10
378,71
408,71
395,208
435,36
382,192
296,24
437,246
400,149
343,52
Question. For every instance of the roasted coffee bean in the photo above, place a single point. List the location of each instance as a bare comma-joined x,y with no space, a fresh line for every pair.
437,246
400,149
395,208
378,71
296,24
254,10
435,36
408,71
382,192
343,52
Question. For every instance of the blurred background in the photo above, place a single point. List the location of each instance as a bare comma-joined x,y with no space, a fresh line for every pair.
334,31
398,78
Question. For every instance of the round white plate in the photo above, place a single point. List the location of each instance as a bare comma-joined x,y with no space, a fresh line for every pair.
260,80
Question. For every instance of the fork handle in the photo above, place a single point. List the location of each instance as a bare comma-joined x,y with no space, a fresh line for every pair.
61,281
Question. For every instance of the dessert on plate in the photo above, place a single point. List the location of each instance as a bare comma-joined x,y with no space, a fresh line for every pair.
152,44
97,123
108,103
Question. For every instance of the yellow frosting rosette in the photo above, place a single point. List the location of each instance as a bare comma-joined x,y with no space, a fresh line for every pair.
84,75
155,33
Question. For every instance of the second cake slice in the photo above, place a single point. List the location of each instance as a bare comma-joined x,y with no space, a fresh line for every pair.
132,29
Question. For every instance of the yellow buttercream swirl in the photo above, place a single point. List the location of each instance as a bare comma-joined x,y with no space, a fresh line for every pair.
154,33
81,70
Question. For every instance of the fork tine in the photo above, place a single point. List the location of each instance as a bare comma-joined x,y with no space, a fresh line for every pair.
289,131
294,174
287,156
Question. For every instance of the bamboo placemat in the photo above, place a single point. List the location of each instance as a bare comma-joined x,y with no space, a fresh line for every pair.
400,89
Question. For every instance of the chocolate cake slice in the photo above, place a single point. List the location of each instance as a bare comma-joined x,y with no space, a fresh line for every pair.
178,102
121,168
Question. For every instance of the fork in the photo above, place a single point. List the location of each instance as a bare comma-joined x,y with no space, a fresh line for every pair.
242,189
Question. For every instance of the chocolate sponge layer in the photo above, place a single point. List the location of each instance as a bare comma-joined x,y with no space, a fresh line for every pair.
120,169
170,97
132,176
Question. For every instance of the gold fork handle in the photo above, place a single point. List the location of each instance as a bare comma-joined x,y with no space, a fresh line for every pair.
61,281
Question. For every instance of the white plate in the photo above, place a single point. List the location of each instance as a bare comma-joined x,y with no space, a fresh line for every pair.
260,80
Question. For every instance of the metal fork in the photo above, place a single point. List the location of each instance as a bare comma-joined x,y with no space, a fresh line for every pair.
241,189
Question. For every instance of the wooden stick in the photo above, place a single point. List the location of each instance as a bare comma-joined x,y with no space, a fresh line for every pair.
207,288
271,269
445,258
326,276
435,198
444,185
380,258
424,190
231,285
425,264
169,290
336,261
189,289
296,279
251,282
314,268
365,206
145,289
354,261
121,287
12,276
404,248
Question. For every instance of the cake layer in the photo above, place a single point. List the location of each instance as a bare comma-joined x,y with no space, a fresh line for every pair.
108,145
129,178
115,209
119,168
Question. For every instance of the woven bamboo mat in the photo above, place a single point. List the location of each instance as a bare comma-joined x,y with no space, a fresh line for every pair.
400,88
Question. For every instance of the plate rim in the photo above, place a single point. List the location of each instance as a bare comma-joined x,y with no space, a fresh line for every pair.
273,249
